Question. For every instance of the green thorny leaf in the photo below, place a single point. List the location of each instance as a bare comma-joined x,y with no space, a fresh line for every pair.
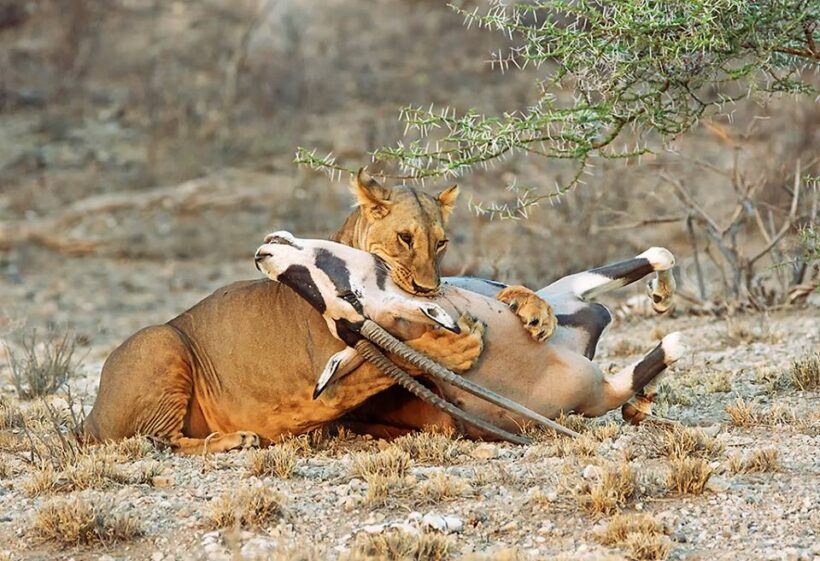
650,65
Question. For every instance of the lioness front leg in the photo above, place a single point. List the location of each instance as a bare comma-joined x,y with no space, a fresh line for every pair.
458,352
536,315
215,442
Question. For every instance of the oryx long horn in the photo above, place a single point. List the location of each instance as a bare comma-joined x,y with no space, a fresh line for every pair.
377,334
372,354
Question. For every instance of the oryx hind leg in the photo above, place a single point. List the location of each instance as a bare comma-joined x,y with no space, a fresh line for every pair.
637,379
590,284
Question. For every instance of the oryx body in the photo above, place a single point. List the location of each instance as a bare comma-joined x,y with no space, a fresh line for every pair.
549,378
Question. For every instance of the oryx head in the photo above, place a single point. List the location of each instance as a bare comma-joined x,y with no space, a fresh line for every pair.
345,285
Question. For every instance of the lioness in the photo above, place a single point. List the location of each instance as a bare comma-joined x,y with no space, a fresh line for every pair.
241,364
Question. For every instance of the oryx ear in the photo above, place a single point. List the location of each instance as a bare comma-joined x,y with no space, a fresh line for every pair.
447,201
339,365
371,195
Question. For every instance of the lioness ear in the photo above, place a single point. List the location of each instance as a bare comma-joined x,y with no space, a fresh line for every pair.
371,196
447,201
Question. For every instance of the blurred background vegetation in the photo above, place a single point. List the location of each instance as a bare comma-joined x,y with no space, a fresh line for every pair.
146,146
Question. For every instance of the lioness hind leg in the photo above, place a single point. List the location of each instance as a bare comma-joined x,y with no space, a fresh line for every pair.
216,442
536,315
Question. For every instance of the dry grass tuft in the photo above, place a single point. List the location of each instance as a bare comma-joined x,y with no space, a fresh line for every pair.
718,382
678,442
248,507
689,476
614,487
45,364
94,468
278,460
384,472
762,460
641,536
584,446
742,413
434,448
77,520
391,462
805,373
440,486
398,545
607,431
626,347
746,414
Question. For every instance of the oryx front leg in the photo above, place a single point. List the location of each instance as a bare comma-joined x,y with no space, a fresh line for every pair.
638,378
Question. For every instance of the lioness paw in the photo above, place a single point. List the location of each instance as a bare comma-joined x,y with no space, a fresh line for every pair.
536,315
456,351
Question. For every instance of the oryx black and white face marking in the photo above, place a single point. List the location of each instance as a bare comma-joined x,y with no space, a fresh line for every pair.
345,285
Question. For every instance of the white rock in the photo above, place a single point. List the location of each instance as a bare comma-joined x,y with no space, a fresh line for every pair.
442,523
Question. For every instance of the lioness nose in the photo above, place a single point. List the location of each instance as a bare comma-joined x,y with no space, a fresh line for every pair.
418,289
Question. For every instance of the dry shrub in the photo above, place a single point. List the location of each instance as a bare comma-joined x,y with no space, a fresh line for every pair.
44,365
805,373
398,545
762,460
640,535
92,468
79,520
614,487
278,460
431,447
688,476
10,415
5,469
247,507
678,442
440,486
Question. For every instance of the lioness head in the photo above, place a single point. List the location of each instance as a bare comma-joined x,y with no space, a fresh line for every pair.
404,227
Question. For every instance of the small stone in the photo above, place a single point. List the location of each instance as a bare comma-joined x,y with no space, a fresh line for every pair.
717,484
485,451
163,481
510,526
591,472
157,556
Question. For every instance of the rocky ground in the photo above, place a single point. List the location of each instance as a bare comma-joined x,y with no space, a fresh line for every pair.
433,496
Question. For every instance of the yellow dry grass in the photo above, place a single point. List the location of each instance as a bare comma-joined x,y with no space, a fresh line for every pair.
76,520
688,476
248,507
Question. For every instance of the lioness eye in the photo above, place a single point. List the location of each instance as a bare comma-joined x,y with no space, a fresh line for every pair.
441,245
406,238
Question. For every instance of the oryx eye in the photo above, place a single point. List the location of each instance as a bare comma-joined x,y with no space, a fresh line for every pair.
441,245
406,239
349,297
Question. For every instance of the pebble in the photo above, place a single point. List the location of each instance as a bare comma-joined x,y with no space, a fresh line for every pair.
485,451
717,484
163,481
